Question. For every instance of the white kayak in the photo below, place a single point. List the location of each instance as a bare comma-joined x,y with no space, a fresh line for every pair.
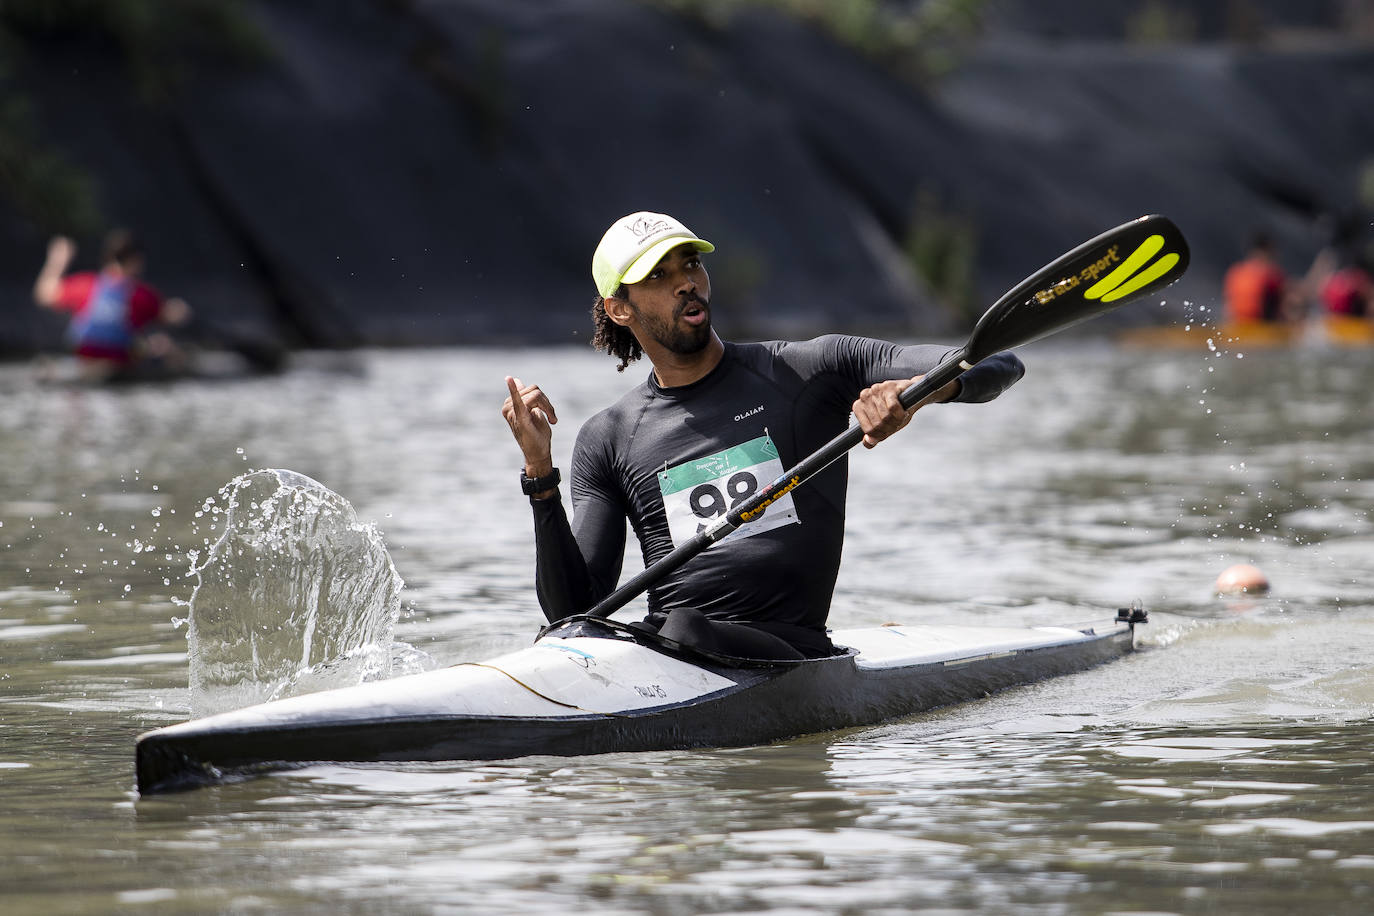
590,686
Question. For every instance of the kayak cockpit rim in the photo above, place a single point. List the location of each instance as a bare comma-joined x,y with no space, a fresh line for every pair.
603,627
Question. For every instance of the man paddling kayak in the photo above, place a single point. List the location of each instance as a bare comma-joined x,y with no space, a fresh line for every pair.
112,310
712,423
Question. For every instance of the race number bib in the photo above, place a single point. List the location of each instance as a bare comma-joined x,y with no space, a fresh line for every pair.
697,492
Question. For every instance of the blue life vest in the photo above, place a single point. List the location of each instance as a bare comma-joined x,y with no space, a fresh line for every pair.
104,322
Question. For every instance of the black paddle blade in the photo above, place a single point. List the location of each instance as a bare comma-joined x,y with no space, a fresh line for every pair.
1122,264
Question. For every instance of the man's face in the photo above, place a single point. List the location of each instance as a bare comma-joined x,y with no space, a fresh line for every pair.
672,305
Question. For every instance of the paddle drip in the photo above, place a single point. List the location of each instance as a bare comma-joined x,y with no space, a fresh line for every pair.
296,595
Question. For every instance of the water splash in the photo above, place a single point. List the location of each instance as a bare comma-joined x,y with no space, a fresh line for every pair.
295,595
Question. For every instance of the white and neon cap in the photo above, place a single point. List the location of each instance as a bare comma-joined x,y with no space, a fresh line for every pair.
634,245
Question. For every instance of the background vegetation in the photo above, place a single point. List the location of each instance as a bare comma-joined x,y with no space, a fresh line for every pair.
159,44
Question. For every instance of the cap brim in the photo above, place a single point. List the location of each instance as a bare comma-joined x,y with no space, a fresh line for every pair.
649,259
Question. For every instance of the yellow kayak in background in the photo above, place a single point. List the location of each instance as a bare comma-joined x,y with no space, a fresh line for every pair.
1326,330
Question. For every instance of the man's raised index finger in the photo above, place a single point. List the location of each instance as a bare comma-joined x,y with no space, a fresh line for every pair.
517,402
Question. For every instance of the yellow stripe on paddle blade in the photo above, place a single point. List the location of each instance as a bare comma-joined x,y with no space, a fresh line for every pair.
1137,260
1144,278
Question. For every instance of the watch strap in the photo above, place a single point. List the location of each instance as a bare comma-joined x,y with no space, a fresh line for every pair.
532,485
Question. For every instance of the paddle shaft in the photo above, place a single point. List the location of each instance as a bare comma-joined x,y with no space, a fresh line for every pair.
1100,275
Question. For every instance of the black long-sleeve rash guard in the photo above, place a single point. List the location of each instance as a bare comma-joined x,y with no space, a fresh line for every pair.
669,459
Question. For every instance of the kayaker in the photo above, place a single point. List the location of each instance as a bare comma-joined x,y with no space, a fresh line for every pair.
713,421
1349,290
113,309
1255,287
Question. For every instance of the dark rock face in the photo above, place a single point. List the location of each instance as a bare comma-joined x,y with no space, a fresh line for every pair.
409,173
1223,141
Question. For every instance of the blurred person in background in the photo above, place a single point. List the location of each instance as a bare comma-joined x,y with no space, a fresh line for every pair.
1348,289
114,315
1256,289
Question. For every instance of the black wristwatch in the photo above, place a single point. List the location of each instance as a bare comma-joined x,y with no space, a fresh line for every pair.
532,485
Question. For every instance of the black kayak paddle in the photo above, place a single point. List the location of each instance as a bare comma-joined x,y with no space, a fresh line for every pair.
1122,264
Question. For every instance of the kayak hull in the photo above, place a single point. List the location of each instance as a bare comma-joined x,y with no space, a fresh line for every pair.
1339,331
569,699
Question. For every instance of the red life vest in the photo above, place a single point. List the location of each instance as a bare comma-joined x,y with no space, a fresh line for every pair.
1254,291
1347,292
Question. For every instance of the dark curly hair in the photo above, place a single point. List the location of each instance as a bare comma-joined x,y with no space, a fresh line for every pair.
613,338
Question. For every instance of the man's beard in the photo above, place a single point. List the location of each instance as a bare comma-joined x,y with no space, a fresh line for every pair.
684,341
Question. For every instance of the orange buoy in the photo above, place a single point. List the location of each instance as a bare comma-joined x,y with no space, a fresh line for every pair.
1242,579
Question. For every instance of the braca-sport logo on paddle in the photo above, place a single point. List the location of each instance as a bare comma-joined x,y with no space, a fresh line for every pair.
1121,264
1139,270
1111,276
